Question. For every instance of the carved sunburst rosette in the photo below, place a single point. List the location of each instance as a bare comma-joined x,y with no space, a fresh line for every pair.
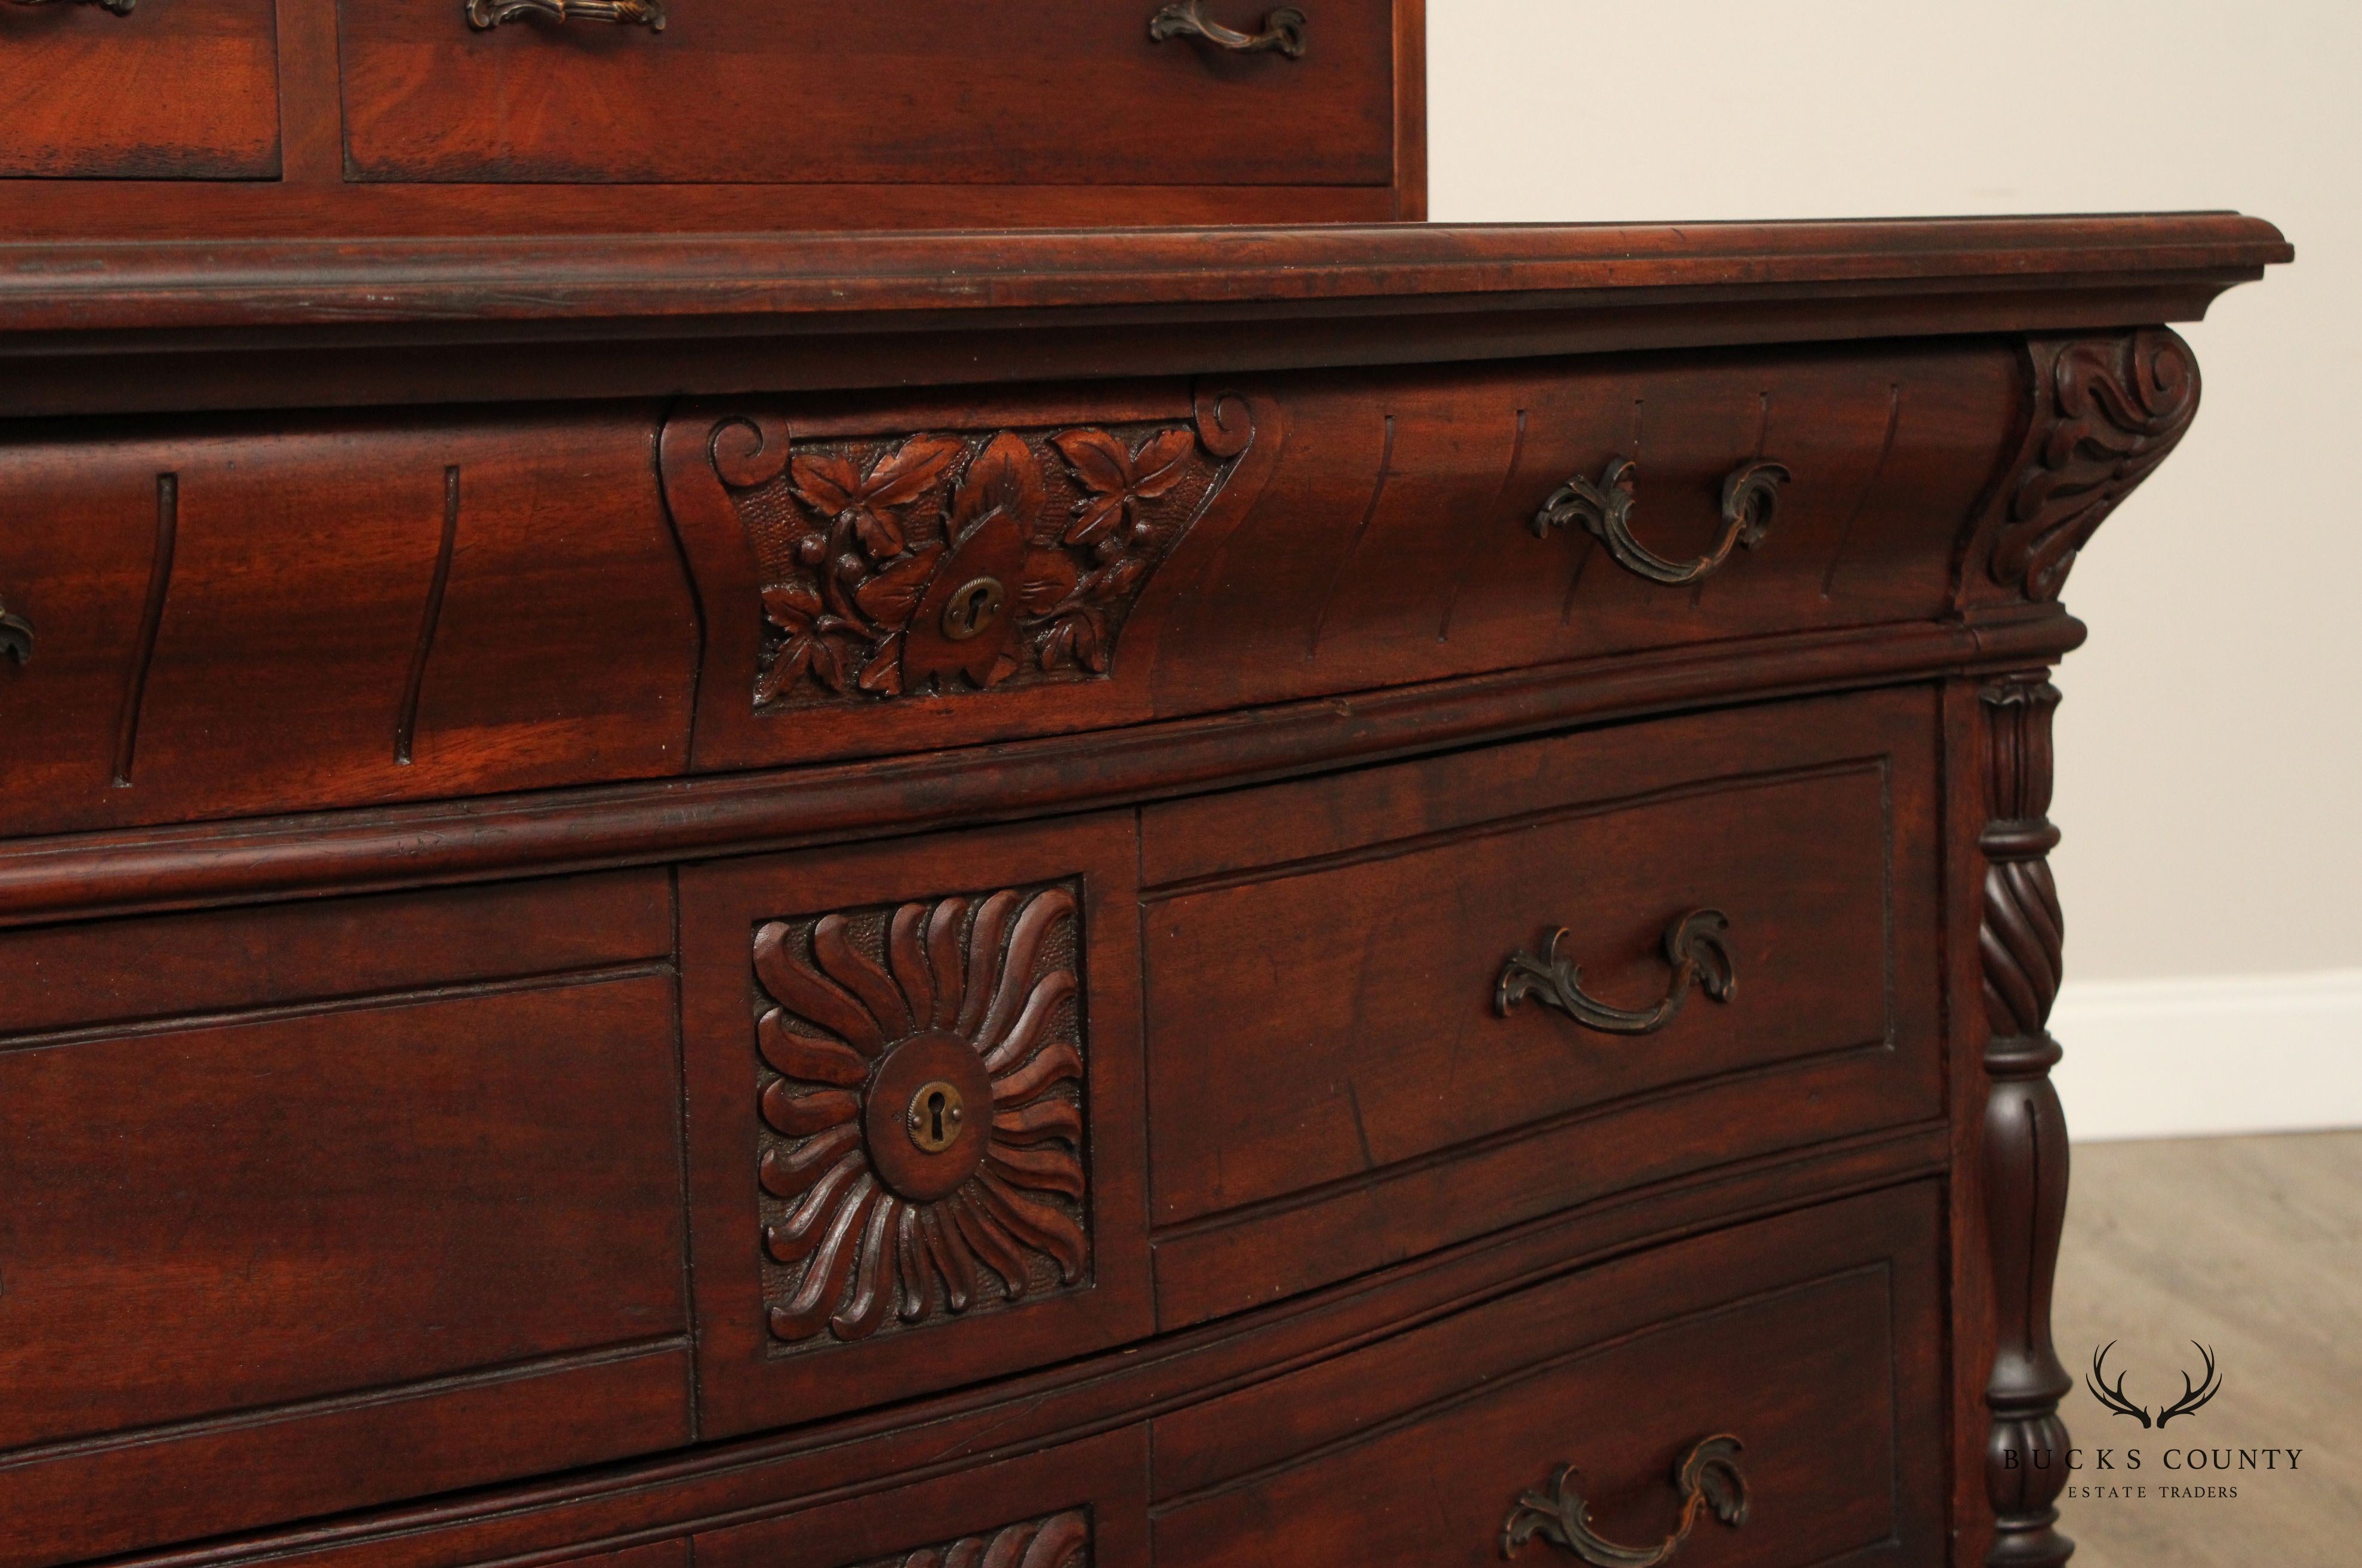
897,566
922,1110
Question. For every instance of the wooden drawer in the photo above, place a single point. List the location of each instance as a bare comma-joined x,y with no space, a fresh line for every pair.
1082,1505
1339,1078
915,1140
247,617
310,1208
978,92
1814,1341
165,90
1156,550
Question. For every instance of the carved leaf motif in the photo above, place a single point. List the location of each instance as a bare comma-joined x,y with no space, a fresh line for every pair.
891,597
1005,478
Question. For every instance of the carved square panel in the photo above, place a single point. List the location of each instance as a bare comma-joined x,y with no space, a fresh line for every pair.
916,1115
921,1082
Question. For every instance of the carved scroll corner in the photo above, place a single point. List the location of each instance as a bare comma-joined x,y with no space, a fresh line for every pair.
749,449
1225,420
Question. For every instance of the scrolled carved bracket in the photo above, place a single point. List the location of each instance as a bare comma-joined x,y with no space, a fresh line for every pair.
1281,31
1706,1476
2109,409
485,15
1694,946
1750,496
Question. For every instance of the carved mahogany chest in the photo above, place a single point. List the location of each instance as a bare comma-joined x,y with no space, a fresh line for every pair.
717,856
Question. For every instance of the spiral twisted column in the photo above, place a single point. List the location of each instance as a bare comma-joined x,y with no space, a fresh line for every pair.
2021,935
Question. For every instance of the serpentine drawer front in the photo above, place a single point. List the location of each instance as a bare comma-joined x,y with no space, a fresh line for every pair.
1756,1396
294,1189
1162,549
283,614
987,92
140,89
1394,1009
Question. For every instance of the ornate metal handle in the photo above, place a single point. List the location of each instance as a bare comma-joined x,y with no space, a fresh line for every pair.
484,15
120,8
1707,1476
1694,946
1750,497
16,636
1282,30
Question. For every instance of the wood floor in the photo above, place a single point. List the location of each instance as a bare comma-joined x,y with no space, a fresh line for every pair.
2252,1246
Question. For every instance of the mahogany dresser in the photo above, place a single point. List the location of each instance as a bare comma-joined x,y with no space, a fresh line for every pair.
768,799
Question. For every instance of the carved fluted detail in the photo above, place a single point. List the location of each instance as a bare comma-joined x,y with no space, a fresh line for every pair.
2021,937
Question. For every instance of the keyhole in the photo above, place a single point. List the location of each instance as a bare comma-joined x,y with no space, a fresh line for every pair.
973,608
935,1114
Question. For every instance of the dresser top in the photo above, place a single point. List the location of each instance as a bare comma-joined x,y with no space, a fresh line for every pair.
2170,259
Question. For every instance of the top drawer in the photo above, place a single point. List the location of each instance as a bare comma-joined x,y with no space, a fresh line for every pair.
882,576
963,91
168,90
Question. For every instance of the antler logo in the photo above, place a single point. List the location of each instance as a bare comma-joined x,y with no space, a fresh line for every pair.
2113,1396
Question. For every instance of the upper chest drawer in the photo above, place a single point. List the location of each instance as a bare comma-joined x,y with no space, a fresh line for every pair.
888,577
238,618
124,90
892,91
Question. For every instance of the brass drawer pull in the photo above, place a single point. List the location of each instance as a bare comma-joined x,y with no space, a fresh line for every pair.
120,8
484,15
1750,497
1282,30
16,636
1707,1476
1694,946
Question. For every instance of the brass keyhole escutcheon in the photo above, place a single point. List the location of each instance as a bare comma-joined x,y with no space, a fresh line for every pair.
974,607
936,1112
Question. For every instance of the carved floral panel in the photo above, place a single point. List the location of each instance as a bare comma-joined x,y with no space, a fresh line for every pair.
908,564
1061,1540
921,1112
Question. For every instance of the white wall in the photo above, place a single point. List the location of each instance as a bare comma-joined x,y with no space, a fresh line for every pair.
2208,746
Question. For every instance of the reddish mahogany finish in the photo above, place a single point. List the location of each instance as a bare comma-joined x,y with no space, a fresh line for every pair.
679,886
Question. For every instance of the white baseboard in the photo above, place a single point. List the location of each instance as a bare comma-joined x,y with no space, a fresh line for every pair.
2207,1057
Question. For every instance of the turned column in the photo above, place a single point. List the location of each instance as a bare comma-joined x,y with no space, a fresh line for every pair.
2020,936
2105,411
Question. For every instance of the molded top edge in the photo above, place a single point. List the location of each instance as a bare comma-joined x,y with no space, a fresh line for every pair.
199,284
